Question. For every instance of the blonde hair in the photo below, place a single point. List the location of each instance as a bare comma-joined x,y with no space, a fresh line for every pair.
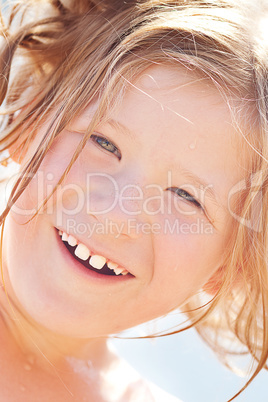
87,49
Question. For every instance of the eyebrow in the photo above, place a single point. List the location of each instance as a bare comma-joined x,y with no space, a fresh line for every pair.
121,127
198,182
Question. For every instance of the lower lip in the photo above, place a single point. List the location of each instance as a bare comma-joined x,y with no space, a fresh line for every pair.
85,273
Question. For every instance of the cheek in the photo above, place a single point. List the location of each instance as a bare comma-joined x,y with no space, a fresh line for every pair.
41,188
186,262
34,280
22,253
50,171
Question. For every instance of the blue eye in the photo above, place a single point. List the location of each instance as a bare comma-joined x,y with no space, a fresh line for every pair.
185,196
107,145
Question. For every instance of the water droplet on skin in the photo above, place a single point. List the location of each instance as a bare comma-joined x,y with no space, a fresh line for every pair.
27,367
192,145
89,364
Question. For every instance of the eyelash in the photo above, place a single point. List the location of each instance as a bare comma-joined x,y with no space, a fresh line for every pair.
185,196
102,141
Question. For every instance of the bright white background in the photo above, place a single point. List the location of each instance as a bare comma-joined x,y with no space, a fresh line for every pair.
183,365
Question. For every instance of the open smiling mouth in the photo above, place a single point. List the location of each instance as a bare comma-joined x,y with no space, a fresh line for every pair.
96,263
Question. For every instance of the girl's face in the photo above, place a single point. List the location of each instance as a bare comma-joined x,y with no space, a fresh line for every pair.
149,193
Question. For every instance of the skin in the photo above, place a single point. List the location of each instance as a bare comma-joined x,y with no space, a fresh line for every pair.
165,135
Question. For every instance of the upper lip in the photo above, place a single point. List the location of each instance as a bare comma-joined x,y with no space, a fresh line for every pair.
95,251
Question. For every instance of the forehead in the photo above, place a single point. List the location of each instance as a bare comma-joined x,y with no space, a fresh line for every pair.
183,119
177,96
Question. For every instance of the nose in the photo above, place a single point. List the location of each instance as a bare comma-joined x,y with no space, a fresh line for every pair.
128,201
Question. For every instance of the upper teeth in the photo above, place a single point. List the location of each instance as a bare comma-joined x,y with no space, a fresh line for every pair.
81,251
97,261
72,241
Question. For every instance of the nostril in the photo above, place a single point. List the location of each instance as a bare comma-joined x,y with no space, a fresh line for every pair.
93,217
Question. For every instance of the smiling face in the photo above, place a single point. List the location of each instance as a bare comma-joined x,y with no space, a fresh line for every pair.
149,193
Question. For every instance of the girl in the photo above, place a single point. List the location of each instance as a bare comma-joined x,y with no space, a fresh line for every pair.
139,131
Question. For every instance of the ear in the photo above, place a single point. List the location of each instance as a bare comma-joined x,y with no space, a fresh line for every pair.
18,149
214,283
